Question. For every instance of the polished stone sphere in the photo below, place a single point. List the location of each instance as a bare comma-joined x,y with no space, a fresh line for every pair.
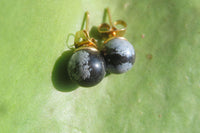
86,67
119,55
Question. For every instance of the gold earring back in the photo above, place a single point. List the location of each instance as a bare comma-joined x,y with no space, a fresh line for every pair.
82,39
109,31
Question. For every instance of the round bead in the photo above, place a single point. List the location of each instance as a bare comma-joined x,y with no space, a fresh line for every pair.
119,55
86,67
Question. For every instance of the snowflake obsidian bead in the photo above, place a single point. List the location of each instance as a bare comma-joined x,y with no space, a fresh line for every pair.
86,67
119,55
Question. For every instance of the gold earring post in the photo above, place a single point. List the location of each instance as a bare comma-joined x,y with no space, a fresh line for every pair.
109,16
85,21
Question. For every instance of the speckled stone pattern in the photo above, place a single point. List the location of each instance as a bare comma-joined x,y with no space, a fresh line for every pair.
119,55
86,67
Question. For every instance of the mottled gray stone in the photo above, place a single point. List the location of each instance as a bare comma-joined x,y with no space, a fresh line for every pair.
86,67
119,55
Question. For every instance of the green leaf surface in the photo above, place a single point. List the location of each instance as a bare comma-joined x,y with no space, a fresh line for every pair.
159,95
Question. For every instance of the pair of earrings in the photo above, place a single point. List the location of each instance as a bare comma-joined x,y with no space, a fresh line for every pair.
88,65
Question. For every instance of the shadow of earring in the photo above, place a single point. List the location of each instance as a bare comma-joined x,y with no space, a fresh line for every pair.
60,77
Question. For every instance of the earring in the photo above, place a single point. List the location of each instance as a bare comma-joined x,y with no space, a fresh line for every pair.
86,66
118,53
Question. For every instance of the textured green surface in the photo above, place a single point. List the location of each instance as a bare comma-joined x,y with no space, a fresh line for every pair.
160,94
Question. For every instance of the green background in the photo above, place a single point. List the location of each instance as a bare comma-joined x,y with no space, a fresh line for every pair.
159,95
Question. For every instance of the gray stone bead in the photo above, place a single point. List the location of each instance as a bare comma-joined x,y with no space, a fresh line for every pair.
86,67
119,55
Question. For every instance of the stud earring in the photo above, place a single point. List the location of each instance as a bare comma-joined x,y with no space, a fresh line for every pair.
118,53
86,66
